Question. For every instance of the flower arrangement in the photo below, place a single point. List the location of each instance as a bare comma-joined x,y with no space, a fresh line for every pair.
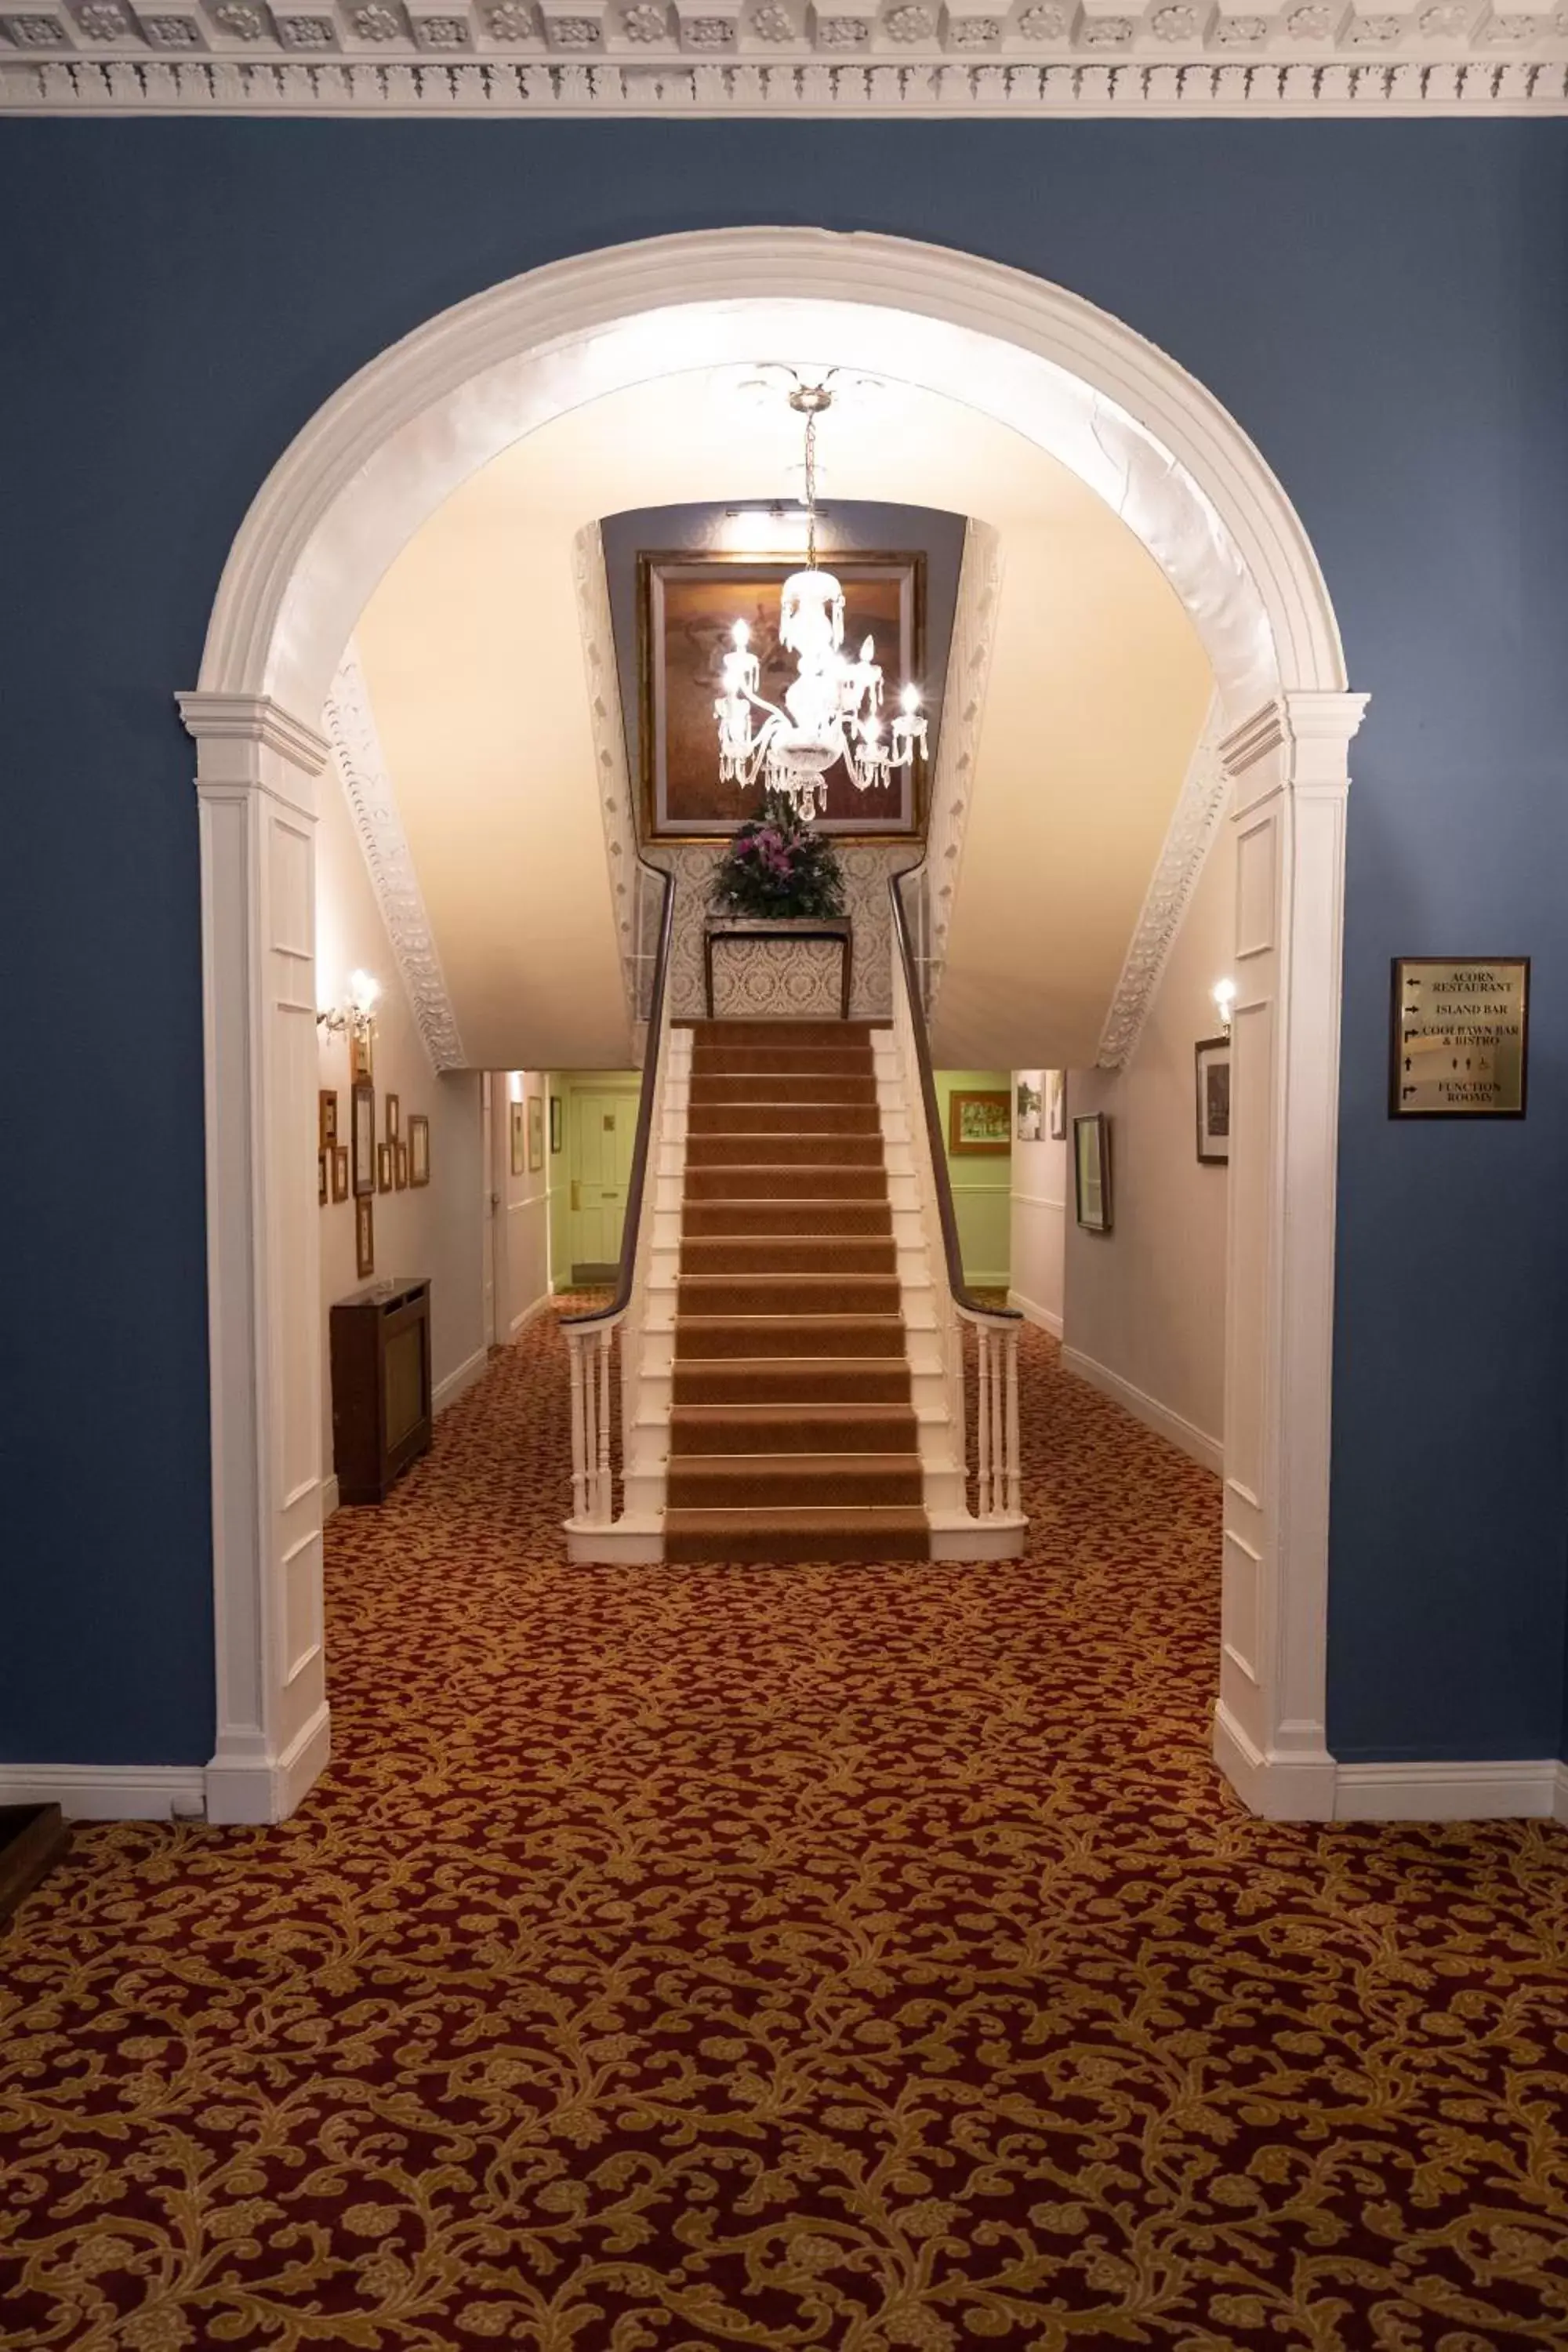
777,865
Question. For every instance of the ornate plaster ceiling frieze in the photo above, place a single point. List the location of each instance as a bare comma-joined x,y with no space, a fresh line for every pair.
760,56
611,781
1195,824
958,741
351,731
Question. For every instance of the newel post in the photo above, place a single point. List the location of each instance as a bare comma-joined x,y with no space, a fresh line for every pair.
1289,770
256,767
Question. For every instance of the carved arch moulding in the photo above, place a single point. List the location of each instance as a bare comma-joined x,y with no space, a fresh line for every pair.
379,457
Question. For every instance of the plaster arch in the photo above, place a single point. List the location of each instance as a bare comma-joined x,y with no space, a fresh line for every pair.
376,459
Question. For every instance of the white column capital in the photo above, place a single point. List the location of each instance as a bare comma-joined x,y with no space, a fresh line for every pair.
240,727
1311,726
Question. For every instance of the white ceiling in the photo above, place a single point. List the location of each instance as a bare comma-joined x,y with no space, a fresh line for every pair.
472,655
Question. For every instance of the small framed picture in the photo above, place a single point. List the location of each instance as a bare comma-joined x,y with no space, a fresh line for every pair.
324,1192
392,1128
535,1132
519,1139
400,1166
362,1059
418,1147
1057,1105
364,1238
364,1138
1091,1171
980,1122
555,1124
339,1171
327,1117
1213,1058
384,1167
1028,1106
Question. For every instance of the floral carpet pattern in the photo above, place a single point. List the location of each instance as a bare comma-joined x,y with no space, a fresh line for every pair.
852,1958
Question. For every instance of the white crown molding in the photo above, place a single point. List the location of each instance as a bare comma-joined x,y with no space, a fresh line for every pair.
1194,823
373,802
1360,64
611,780
958,738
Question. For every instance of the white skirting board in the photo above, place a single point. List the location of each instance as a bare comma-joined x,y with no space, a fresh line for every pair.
458,1383
520,1323
1536,1790
108,1792
1193,1441
1033,1312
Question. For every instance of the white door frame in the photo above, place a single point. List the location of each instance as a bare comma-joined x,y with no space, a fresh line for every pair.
378,459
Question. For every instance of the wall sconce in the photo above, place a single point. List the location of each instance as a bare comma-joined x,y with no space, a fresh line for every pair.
355,1016
1224,995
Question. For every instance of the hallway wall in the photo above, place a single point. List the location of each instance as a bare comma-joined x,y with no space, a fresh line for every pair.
980,1184
523,1281
1040,1211
1378,304
433,1229
1143,1305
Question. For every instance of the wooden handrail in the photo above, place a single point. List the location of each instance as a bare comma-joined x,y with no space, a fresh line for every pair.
961,1296
629,1230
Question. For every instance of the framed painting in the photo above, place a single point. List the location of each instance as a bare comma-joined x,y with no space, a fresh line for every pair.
687,606
1091,1171
394,1127
555,1131
1029,1104
339,1171
519,1139
363,1136
418,1147
384,1167
535,1133
365,1238
1057,1105
979,1122
400,1166
327,1117
362,1055
323,1180
1212,1059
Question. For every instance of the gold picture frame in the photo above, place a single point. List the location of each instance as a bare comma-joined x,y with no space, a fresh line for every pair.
324,1179
339,1171
364,1238
326,1116
392,1115
535,1134
384,1167
980,1122
419,1148
519,1139
687,605
362,1053
363,1137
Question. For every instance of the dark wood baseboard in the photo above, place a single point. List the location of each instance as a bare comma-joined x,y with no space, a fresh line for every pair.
32,1840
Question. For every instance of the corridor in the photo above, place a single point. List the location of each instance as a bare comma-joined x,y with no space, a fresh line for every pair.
856,1958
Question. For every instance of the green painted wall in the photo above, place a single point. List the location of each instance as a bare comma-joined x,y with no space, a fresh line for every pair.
981,1182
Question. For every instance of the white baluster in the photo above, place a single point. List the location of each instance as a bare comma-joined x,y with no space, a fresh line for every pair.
983,1419
1015,1454
604,1502
998,1453
579,1438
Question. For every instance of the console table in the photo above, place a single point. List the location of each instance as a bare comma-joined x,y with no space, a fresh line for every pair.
381,1385
789,931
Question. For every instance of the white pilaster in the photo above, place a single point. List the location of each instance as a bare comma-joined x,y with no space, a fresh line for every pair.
1289,764
255,771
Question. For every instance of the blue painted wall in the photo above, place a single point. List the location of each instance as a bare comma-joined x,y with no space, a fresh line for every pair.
1382,307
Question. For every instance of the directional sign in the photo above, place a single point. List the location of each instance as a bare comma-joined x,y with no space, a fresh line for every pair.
1460,1034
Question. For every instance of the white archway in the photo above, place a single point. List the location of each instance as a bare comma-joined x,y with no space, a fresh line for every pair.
346,496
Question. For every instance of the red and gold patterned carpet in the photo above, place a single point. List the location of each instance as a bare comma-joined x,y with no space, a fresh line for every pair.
856,1958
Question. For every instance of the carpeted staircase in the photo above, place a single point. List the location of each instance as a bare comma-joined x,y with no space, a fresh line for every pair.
792,1435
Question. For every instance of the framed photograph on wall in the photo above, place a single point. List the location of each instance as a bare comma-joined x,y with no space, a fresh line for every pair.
362,1135
1057,1105
323,1182
339,1171
384,1167
400,1166
979,1122
1029,1105
361,1056
418,1147
365,1238
519,1139
1091,1171
686,607
535,1133
1213,1058
393,1128
555,1128
327,1117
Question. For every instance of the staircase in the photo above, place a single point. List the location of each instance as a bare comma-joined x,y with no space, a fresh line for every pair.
792,1433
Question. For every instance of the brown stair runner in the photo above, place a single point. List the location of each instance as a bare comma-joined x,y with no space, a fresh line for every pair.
792,1433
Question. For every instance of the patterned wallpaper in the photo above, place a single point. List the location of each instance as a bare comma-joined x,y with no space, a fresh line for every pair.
867,867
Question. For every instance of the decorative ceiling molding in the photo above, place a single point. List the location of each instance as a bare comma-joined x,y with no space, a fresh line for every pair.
1194,823
505,57
356,747
958,742
611,780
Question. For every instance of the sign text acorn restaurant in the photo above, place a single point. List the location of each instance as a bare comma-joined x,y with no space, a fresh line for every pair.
1460,1030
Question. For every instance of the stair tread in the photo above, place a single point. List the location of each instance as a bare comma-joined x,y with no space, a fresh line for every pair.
801,1516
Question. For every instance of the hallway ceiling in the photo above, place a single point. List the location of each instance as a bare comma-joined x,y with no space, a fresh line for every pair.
472,655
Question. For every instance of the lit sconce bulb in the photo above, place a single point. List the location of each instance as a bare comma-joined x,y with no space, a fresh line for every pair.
363,991
1224,995
740,637
910,701
868,650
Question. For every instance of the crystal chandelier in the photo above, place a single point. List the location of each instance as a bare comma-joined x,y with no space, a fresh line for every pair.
833,709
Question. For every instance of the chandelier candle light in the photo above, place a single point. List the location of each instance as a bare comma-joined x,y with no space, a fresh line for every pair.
833,709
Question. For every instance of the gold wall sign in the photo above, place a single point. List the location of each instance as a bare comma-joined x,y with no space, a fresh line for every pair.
1460,1037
